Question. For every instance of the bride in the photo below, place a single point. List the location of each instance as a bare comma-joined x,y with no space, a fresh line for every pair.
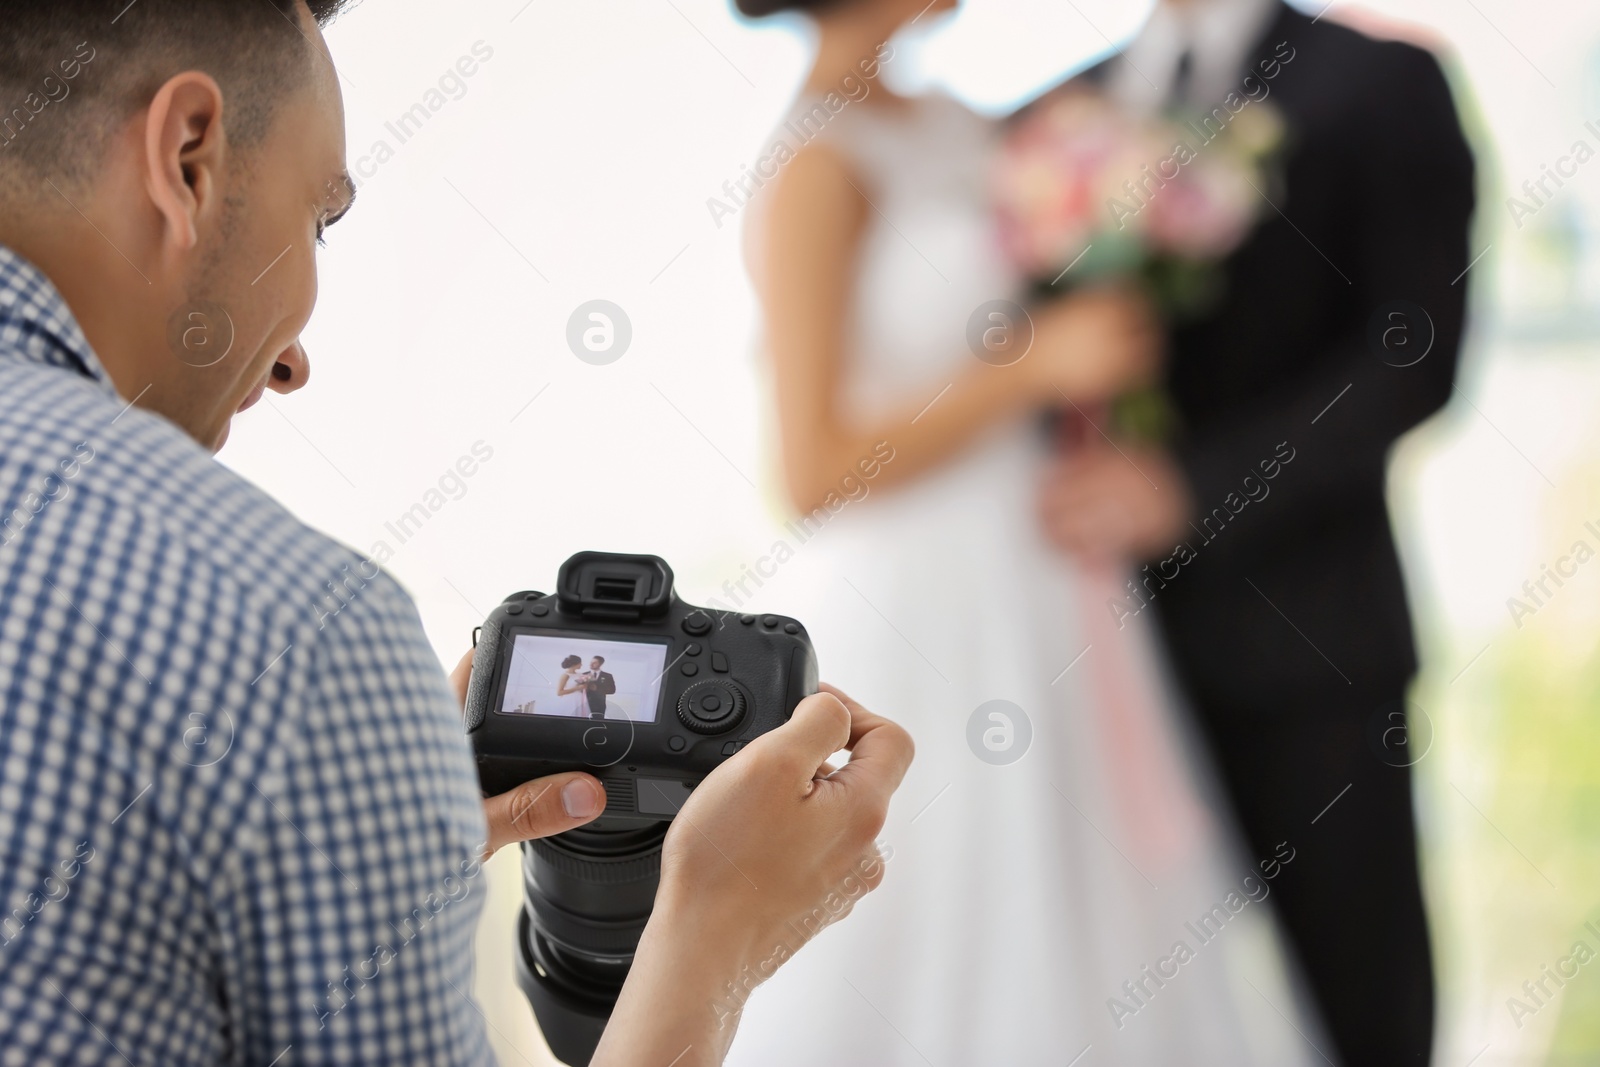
1060,886
571,684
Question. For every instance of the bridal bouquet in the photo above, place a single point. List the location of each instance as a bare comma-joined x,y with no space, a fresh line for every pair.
1086,192
1082,184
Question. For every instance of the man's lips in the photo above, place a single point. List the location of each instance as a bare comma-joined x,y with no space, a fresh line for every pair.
255,395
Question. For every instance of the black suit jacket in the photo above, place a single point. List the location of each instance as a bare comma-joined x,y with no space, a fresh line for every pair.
601,685
1299,594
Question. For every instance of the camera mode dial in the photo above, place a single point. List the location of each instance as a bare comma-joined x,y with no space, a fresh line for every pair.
711,707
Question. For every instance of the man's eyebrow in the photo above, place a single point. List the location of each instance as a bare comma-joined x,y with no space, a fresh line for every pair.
350,199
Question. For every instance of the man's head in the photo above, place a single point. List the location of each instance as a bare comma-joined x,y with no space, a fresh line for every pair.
596,663
170,164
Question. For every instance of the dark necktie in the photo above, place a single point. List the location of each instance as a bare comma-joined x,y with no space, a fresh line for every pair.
1178,98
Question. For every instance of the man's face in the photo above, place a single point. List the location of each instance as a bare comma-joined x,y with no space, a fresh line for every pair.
594,664
251,282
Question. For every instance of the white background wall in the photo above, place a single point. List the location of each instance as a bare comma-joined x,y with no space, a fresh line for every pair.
577,165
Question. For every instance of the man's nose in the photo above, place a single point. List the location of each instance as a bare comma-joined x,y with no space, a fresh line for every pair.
291,371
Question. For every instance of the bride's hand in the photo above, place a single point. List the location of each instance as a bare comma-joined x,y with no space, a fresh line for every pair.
1093,344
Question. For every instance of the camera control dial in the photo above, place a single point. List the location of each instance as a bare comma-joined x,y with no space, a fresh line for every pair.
711,707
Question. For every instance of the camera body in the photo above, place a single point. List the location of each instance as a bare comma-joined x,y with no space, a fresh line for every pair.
662,692
614,675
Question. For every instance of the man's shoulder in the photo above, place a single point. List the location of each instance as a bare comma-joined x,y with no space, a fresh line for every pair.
148,595
1380,54
173,579
79,463
1371,55
225,735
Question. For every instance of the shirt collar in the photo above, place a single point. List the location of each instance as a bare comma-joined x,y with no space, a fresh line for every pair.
36,326
1219,35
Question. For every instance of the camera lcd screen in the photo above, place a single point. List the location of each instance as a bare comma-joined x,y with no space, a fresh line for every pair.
573,676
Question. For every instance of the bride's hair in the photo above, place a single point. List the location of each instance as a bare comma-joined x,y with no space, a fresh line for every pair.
757,8
571,661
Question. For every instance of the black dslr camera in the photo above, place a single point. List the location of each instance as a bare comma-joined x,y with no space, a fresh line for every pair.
614,675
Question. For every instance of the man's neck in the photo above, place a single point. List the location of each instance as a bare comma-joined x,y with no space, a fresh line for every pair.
93,278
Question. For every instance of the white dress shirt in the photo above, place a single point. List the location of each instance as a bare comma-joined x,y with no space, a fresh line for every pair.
1216,33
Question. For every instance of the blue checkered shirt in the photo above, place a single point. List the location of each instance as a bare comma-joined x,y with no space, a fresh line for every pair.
238,819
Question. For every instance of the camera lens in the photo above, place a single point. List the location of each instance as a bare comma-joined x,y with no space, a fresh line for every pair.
588,895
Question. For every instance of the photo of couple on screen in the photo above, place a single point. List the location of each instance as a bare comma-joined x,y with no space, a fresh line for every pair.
603,679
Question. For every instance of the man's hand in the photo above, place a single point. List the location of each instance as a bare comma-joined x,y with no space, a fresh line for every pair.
1112,506
772,846
770,834
539,808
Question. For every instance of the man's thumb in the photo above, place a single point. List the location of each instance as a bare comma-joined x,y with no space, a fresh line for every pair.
543,807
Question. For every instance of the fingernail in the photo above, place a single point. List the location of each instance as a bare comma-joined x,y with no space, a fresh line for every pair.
579,799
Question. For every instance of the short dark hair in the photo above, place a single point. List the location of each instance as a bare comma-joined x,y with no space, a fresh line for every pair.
99,61
599,659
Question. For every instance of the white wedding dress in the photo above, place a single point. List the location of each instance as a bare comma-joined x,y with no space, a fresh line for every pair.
575,703
1021,896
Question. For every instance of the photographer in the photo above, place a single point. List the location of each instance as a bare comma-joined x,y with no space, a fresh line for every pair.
229,829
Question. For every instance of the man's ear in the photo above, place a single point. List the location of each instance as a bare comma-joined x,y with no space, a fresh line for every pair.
185,149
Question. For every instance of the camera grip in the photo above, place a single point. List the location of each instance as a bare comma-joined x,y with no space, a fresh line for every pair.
483,661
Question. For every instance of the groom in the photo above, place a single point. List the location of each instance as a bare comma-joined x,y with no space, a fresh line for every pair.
1286,617
597,685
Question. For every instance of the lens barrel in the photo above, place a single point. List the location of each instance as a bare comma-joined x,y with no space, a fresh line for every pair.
587,897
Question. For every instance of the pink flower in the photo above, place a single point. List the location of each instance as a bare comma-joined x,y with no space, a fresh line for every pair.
1076,169
1205,212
